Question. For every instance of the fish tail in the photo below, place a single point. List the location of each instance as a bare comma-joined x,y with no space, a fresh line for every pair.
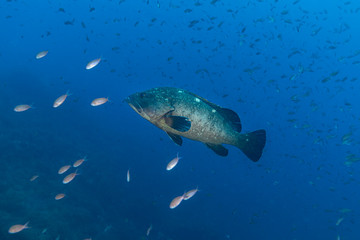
26,225
252,144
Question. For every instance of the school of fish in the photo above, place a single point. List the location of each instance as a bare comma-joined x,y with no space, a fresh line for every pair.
65,168
267,29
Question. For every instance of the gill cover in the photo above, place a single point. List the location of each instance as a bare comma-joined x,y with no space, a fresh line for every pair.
150,105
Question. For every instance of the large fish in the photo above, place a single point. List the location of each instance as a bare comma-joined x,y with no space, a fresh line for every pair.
184,114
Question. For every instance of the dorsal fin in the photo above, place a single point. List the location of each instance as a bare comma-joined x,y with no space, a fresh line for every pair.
232,117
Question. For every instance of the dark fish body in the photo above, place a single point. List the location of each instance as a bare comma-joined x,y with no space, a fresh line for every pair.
183,114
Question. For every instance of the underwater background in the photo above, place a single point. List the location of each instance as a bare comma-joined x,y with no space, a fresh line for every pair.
290,67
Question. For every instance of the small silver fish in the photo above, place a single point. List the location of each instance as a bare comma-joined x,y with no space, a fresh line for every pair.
173,162
18,228
93,63
41,54
176,201
70,177
22,107
60,100
190,193
148,230
99,101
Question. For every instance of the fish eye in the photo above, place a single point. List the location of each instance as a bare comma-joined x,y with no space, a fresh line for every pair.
142,95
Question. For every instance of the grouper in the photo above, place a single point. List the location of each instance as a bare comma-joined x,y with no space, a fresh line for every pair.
181,113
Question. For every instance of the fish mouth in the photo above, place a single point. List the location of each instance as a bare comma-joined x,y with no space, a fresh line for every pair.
134,104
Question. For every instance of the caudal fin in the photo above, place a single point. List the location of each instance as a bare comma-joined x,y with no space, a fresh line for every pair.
252,144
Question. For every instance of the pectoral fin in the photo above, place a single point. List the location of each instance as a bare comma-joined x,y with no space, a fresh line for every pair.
218,149
176,138
181,124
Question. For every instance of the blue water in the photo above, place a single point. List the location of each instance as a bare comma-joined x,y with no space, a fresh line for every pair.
290,67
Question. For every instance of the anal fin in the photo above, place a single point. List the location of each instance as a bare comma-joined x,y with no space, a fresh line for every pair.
218,149
176,138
